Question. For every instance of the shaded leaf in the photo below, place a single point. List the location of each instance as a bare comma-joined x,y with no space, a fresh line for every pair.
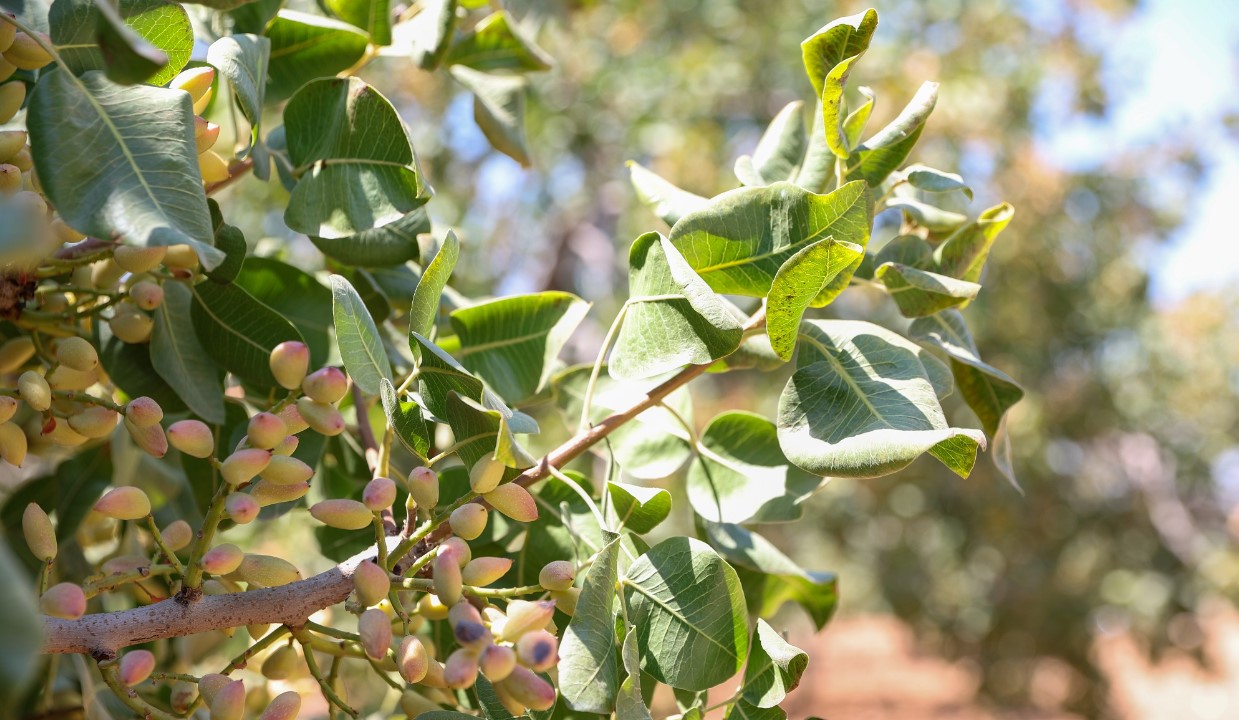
672,318
797,285
739,241
493,44
180,359
988,391
589,674
667,201
630,705
782,146
886,150
919,293
769,577
963,254
741,476
373,16
159,25
361,346
854,124
425,307
774,668
513,343
230,241
297,296
405,418
136,179
923,177
934,219
21,634
498,109
239,332
862,405
305,47
744,710
243,59
637,508
685,601
357,198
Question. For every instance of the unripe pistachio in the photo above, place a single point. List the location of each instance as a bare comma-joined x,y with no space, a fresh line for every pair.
137,259
10,179
326,385
514,501
11,143
8,32
146,294
64,233
241,508
412,659
62,435
485,475
192,437
290,360
287,446
177,535
106,274
222,559
12,95
461,669
54,302
557,575
460,548
213,168
371,583
280,664
468,521
8,408
65,601
374,627
125,563
124,503
447,581
77,353
342,513
526,616
413,704
285,706
6,69
565,600
181,695
243,465
286,470
131,327
151,439
424,487
197,82
229,702
472,635
143,412
431,607
211,684
24,161
136,666
257,632
205,134
269,493
537,650
267,571
508,701
529,689
13,444
434,674
66,378
181,257
497,662
39,533
292,419
16,352
324,419
266,431
380,493
95,421
35,391
26,52
483,571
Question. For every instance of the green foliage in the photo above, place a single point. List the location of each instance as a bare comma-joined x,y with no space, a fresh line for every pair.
467,384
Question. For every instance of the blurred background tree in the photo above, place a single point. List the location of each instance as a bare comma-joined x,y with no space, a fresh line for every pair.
1111,128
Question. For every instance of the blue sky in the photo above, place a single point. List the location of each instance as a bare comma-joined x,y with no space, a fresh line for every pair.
1171,69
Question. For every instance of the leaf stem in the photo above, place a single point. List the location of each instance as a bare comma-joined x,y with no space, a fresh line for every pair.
215,513
167,552
589,501
593,374
324,683
129,696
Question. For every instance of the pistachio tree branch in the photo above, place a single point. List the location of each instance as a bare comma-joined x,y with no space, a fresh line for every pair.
103,634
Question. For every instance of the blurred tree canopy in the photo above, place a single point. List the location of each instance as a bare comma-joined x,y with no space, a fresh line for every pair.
1131,409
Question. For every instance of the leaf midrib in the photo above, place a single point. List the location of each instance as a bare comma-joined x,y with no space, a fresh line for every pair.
678,615
847,377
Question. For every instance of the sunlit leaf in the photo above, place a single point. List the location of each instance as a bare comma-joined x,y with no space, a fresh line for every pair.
638,508
361,346
589,674
919,293
963,254
493,44
886,150
774,667
305,47
425,307
797,285
667,201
